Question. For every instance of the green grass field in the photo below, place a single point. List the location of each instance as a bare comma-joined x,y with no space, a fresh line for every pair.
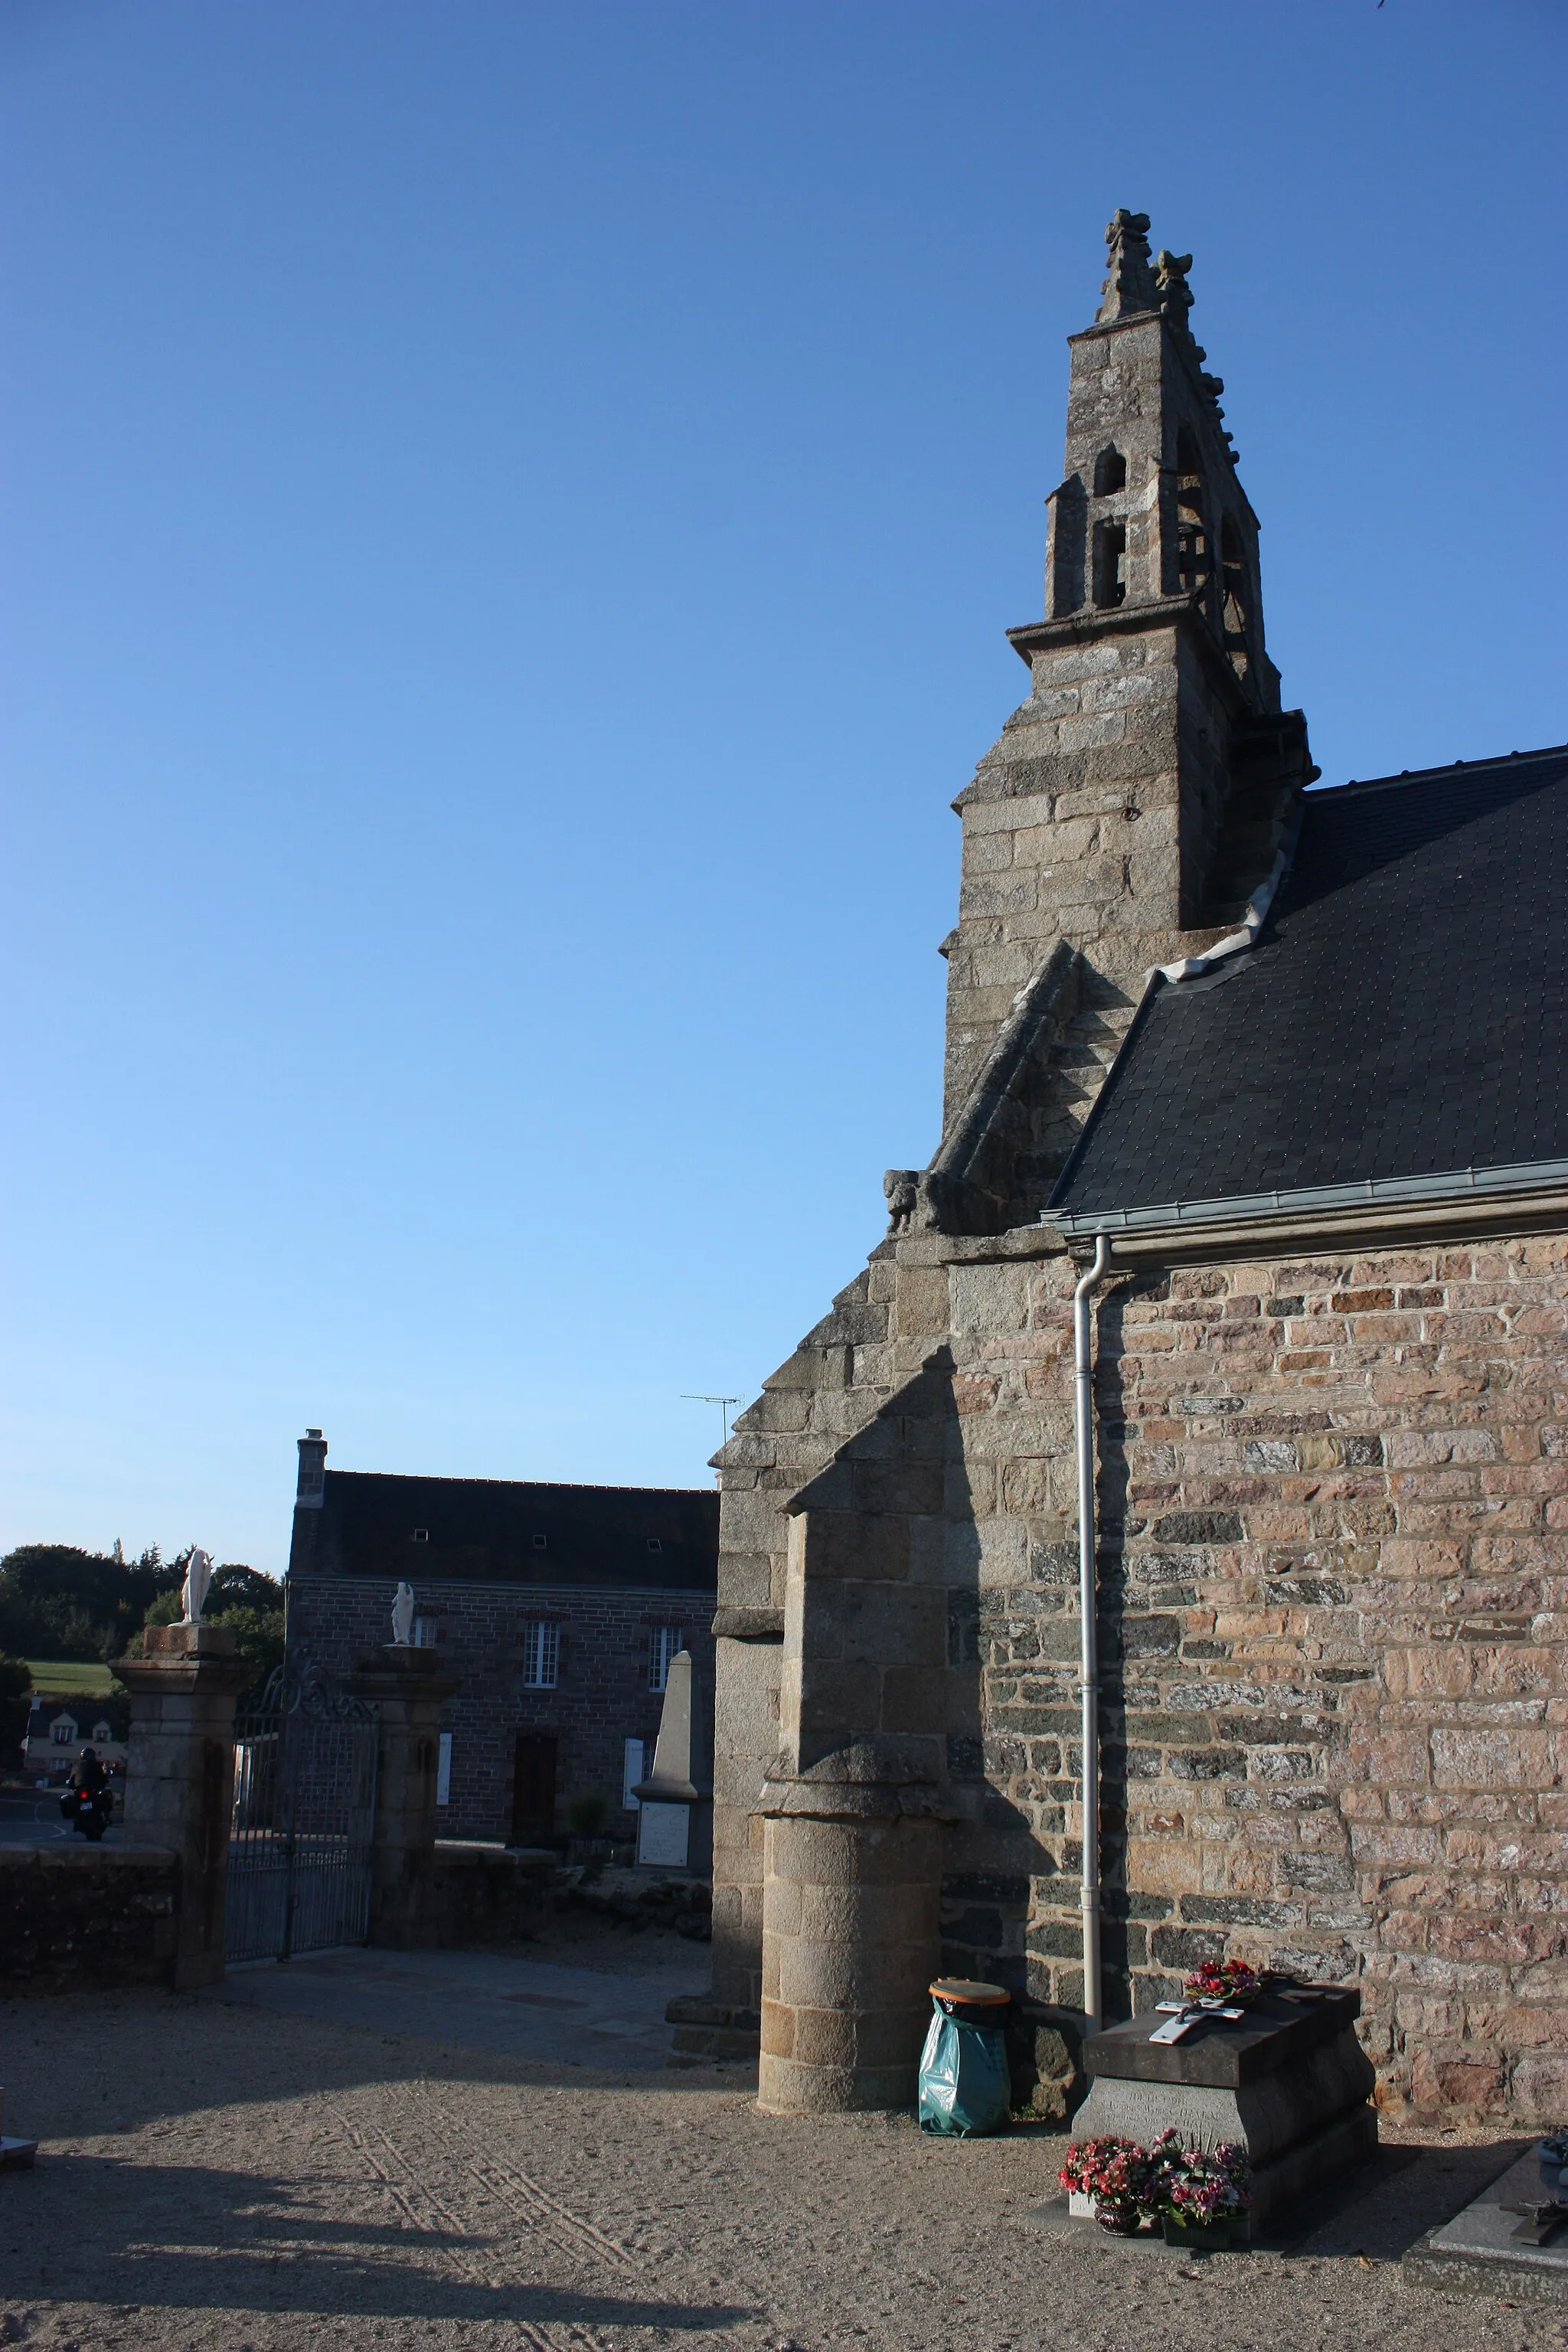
65,1677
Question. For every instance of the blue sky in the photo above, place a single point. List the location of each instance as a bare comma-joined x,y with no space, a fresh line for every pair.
511,516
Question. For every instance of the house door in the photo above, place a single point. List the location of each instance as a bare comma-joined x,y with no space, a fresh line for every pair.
534,1787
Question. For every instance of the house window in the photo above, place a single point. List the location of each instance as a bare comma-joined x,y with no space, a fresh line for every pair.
444,1770
654,1544
421,1535
540,1656
424,1633
663,1641
102,1731
62,1731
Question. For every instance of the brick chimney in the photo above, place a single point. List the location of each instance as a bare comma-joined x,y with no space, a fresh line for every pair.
309,1496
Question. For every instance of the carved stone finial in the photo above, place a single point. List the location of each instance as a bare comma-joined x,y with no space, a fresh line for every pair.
1175,294
901,1188
1130,286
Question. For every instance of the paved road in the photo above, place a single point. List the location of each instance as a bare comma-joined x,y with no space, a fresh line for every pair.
471,2000
26,1819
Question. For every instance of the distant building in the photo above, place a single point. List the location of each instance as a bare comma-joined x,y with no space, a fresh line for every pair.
57,1731
558,1608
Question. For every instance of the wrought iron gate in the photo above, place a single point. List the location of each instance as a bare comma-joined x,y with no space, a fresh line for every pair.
303,1821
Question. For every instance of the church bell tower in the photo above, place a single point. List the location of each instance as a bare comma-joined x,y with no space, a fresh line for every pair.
1144,791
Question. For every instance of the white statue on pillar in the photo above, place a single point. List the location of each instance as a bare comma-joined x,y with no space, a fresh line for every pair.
198,1576
403,1616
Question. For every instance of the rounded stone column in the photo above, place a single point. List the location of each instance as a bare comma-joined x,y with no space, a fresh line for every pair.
850,1943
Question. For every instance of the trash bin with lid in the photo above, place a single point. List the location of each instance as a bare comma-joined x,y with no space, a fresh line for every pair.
965,2088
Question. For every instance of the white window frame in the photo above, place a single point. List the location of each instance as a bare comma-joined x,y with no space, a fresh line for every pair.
541,1655
633,1770
664,1642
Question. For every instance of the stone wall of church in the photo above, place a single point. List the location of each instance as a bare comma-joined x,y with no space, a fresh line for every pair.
1335,1498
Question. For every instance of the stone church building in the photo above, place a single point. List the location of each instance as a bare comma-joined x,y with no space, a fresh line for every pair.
1274,1080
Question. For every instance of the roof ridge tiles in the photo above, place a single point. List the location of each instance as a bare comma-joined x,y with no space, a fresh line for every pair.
1319,792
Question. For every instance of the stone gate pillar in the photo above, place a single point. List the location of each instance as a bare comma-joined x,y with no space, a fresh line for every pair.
409,1690
179,1776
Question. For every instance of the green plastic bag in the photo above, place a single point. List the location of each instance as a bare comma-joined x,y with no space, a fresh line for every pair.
966,2089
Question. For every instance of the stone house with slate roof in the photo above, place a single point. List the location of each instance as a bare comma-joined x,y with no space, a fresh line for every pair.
1275,1079
557,1607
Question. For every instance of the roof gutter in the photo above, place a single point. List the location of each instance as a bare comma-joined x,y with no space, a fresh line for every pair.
1463,1188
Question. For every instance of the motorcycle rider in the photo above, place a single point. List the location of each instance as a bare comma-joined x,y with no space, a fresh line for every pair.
89,1802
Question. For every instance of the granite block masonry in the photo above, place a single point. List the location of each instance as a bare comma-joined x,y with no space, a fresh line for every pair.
1332,1481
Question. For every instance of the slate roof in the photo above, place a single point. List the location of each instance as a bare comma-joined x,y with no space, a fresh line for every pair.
1401,1020
661,1538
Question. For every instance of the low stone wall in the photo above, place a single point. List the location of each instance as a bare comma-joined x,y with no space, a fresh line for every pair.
74,1918
488,1893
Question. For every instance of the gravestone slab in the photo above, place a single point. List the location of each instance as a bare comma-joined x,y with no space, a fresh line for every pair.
1287,2080
1478,2249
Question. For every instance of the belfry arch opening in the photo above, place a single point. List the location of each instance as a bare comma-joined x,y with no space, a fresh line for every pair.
1193,562
1110,472
1238,587
1109,551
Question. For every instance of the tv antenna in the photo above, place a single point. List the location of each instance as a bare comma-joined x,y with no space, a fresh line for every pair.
723,1402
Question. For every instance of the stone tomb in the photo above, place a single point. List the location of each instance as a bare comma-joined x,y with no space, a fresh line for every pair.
1287,2080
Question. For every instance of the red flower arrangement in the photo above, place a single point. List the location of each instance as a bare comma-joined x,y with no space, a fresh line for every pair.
1191,2188
1231,1982
1115,2174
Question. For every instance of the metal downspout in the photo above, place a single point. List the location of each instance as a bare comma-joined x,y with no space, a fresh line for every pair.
1087,1603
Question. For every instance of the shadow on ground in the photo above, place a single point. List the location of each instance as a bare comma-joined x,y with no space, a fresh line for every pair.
208,2054
1384,2207
252,2241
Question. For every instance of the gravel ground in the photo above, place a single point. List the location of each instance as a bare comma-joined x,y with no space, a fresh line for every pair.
213,2177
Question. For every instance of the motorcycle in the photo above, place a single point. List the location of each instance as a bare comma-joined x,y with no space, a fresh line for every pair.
88,1811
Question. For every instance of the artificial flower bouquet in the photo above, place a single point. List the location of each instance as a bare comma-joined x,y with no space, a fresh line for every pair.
1197,2189
1230,1981
1192,2193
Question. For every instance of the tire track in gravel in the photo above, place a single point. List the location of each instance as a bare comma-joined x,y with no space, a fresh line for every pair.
529,2200
420,2205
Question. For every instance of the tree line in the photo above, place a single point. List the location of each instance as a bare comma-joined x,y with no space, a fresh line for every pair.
58,1602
